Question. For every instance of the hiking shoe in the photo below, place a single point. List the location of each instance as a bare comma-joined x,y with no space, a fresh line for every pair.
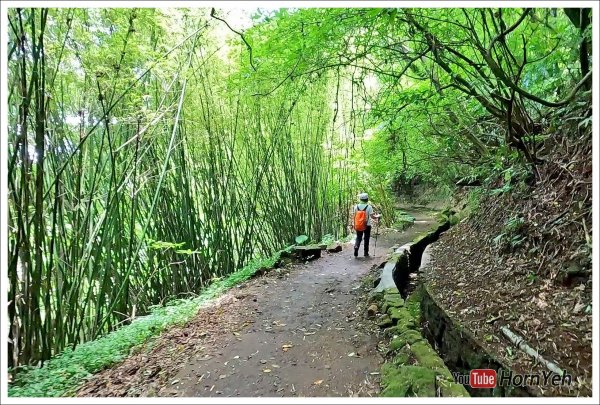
367,255
355,252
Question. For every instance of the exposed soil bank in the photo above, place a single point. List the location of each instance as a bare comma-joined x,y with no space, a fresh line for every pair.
482,292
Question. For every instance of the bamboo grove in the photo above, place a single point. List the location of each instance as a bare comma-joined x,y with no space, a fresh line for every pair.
143,164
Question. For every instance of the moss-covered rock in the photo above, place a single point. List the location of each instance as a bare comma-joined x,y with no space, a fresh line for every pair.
396,344
401,316
334,247
413,304
453,219
405,323
387,305
399,310
391,291
388,373
392,297
408,381
392,300
375,296
427,357
384,321
392,382
451,389
397,389
415,369
392,304
409,336
394,314
402,357
393,331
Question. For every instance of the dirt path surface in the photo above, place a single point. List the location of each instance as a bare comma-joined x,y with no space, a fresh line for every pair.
295,332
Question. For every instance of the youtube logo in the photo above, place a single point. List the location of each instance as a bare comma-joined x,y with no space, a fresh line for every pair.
483,378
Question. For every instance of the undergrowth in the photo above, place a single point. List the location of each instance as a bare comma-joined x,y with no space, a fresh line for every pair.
403,220
63,374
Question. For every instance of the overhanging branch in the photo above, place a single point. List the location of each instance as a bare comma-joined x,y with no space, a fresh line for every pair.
213,15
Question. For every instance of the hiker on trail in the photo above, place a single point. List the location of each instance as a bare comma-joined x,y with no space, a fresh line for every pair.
362,213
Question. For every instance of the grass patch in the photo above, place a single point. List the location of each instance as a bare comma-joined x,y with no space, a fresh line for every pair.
64,373
327,240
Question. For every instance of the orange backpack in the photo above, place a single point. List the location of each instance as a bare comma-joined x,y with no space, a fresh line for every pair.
360,219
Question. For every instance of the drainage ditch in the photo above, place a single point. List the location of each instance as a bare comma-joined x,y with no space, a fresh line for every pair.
459,349
425,341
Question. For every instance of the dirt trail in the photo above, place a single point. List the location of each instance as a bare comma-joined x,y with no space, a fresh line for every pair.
297,333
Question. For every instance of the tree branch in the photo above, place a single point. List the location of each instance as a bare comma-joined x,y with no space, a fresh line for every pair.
510,29
213,15
499,73
281,82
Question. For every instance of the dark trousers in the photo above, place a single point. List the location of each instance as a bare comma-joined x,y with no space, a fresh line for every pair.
359,238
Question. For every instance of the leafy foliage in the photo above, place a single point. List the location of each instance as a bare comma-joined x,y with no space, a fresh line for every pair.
447,92
300,239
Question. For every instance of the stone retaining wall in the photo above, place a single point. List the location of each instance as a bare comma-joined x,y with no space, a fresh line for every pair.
413,368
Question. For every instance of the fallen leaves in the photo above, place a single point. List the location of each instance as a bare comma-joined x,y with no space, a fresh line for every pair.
493,319
578,307
231,322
